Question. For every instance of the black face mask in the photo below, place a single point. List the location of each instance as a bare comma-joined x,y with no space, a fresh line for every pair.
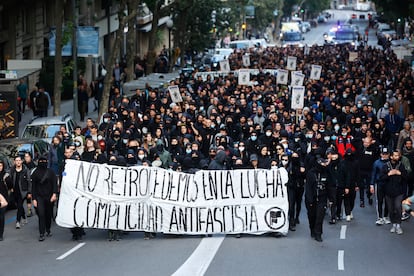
131,160
42,165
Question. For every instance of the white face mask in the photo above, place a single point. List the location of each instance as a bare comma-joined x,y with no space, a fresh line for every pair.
106,120
326,138
336,128
100,137
268,133
188,151
141,156
344,134
125,141
284,162
297,139
334,121
241,148
309,136
285,146
274,167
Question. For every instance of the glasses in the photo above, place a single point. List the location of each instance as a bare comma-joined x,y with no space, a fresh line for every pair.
278,148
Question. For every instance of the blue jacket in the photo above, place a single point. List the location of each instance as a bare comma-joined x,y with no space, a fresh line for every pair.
376,171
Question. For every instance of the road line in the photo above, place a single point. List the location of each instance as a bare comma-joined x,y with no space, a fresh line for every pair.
198,263
61,257
341,260
342,235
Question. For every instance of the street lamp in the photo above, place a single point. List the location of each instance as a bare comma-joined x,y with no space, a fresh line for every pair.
169,24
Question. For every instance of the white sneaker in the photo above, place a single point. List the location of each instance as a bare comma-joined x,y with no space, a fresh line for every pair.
17,225
348,218
24,221
352,216
399,230
380,221
393,228
386,220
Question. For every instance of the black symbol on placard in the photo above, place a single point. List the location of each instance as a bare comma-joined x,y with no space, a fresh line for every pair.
297,81
316,73
297,98
275,218
291,65
282,77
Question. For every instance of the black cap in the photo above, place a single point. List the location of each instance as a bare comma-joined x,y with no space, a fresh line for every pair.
385,150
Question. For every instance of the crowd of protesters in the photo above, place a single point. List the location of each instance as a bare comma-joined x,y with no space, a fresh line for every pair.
356,129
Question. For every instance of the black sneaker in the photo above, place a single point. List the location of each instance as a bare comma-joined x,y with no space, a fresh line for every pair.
297,221
362,204
49,234
41,238
292,227
332,221
318,238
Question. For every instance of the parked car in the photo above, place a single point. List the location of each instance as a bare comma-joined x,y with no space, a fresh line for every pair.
46,127
10,148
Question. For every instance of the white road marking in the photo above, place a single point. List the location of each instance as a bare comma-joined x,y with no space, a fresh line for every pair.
341,260
342,235
61,257
198,263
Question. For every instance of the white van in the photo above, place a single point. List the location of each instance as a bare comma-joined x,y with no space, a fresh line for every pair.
246,44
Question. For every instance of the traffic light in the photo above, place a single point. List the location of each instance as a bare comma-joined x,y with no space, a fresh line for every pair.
302,10
244,26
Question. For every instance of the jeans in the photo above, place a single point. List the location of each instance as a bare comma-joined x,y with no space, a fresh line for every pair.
20,209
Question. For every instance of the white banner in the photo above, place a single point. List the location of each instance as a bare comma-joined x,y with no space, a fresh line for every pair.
175,94
156,200
246,60
298,97
297,78
282,76
315,72
244,77
224,65
291,63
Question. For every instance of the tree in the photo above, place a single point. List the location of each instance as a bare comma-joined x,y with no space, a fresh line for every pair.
115,47
58,58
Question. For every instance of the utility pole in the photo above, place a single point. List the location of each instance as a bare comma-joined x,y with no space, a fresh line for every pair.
75,61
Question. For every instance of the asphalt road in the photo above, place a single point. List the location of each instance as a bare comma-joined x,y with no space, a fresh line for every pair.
358,247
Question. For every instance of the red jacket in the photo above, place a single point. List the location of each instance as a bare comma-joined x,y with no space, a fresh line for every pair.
344,143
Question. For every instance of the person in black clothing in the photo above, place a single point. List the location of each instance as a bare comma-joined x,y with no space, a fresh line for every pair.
336,184
351,175
366,156
21,186
31,165
4,193
393,176
44,189
316,196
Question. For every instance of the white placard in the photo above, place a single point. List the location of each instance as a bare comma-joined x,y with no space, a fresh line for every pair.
224,65
291,63
306,50
282,76
315,72
297,78
298,97
353,56
244,77
246,60
152,199
175,94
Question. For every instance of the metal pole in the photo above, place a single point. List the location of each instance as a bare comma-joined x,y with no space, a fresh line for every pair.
75,64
